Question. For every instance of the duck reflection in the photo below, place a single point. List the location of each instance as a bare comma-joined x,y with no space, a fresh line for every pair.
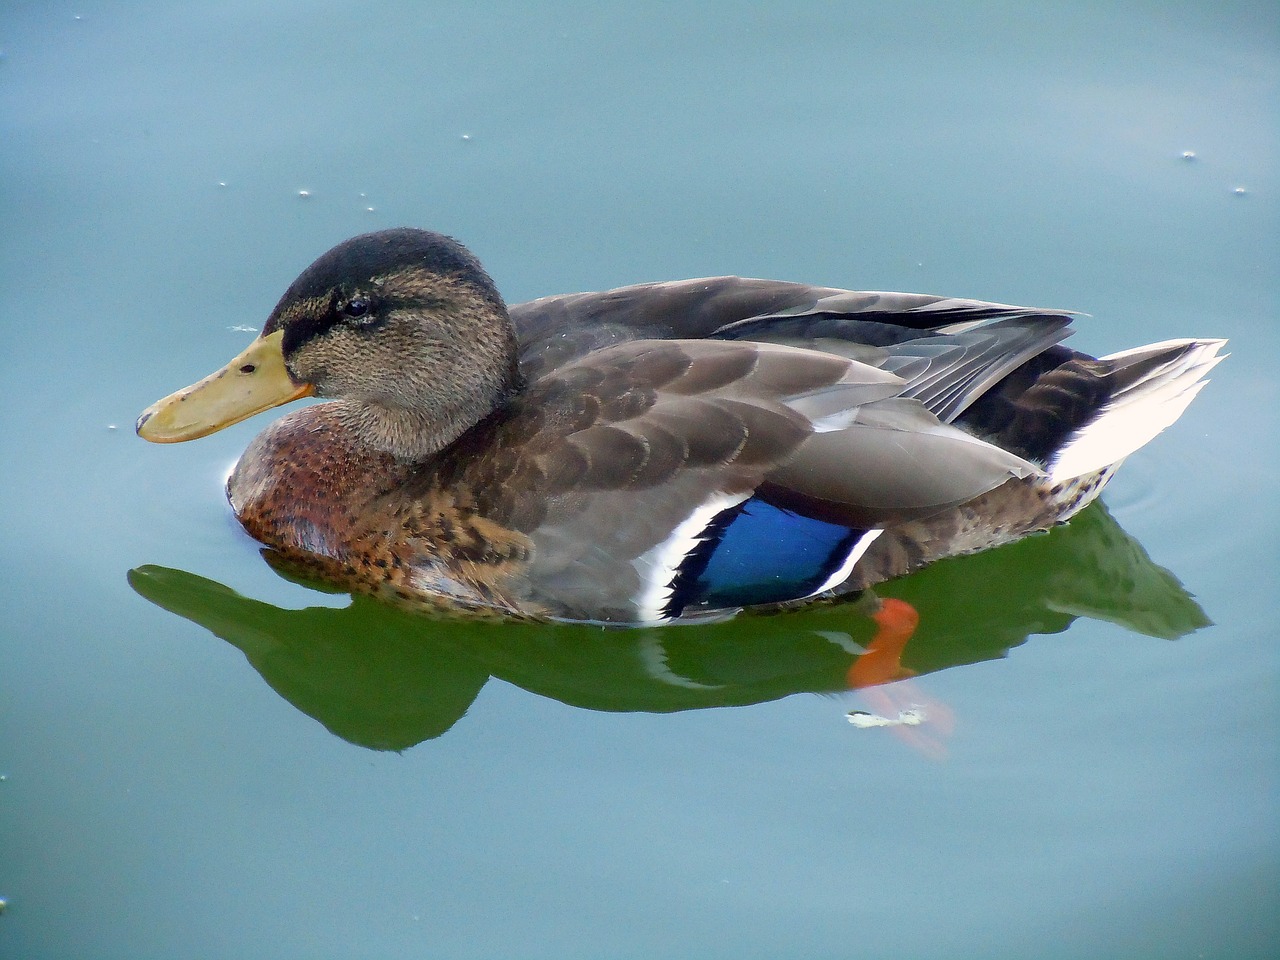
387,679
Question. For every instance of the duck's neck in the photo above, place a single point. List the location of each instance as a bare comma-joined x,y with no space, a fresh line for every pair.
408,435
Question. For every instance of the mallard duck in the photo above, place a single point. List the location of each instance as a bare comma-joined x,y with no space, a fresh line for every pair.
660,452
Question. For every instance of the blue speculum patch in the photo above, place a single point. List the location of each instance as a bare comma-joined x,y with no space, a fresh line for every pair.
760,553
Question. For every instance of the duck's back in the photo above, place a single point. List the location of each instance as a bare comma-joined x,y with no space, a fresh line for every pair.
558,330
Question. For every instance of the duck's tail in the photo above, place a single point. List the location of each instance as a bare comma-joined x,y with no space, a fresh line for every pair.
1146,389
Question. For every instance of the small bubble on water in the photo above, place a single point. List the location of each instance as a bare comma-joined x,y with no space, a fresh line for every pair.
1188,154
304,194
222,183
368,209
110,426
1239,191
466,136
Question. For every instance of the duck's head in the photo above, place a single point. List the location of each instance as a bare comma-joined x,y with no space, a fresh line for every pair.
403,327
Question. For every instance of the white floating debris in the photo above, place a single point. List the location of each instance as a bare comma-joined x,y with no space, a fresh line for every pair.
110,426
1239,191
466,136
913,716
304,193
222,183
1188,154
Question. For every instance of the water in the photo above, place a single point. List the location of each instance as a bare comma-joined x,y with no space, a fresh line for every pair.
204,759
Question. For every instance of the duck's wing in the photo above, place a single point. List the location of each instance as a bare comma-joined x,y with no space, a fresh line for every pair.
557,330
553,331
656,478
946,368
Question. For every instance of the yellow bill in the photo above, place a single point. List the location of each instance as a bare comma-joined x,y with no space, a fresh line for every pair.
254,381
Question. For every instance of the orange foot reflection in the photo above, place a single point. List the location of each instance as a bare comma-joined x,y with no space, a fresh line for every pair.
882,661
913,716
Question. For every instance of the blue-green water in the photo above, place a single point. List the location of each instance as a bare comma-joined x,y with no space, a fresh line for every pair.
202,759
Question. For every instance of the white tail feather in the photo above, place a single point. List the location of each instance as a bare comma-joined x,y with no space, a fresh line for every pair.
1141,410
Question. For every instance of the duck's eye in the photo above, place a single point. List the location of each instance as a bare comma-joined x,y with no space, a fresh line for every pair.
356,308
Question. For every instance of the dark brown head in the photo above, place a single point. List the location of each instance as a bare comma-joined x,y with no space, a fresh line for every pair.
403,327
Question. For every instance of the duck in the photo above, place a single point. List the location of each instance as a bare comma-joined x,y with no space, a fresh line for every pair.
660,453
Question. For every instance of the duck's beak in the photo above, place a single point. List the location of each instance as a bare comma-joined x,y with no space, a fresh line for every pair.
254,381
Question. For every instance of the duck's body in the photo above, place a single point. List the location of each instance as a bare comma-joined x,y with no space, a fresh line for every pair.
662,452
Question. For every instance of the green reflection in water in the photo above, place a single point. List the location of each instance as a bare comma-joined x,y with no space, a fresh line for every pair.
385,679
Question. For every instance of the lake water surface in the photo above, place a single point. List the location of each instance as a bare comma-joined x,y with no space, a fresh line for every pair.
201,758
